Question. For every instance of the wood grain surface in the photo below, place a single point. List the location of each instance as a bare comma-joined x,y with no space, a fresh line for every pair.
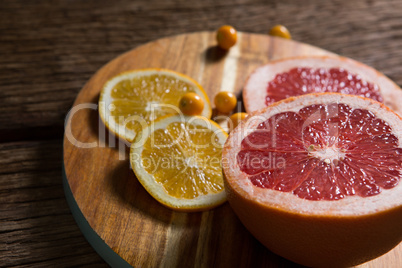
49,50
122,213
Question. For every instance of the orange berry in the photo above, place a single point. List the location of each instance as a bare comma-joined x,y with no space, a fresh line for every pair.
191,104
281,31
235,119
225,102
226,36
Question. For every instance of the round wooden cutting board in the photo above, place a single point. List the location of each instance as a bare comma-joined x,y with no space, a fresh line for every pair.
124,224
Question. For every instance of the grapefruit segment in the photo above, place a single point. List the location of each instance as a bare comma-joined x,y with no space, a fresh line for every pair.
316,172
297,76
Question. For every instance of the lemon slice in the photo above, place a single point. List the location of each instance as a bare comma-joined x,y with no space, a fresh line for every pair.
178,161
131,100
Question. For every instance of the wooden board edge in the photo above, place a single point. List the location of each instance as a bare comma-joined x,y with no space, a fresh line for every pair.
103,250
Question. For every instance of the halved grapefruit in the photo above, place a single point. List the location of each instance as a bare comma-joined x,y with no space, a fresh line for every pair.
317,178
290,77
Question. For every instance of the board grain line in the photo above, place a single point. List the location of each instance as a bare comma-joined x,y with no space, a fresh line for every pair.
203,238
230,67
172,253
204,41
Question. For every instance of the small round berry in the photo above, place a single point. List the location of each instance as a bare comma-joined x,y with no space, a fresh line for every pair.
191,104
226,36
235,119
225,102
281,31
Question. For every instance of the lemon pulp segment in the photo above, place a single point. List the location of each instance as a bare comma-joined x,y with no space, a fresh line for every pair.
148,96
185,159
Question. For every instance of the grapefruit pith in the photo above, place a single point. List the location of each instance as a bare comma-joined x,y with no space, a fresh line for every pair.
316,178
290,77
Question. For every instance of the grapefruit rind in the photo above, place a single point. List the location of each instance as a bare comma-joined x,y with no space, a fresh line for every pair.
105,98
155,189
255,89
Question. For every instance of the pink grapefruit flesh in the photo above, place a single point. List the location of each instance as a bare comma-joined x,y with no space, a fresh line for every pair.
303,80
297,76
323,152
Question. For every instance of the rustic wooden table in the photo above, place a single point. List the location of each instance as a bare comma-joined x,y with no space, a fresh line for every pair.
49,49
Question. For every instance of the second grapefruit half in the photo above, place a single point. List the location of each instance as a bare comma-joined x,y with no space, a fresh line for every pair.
291,77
